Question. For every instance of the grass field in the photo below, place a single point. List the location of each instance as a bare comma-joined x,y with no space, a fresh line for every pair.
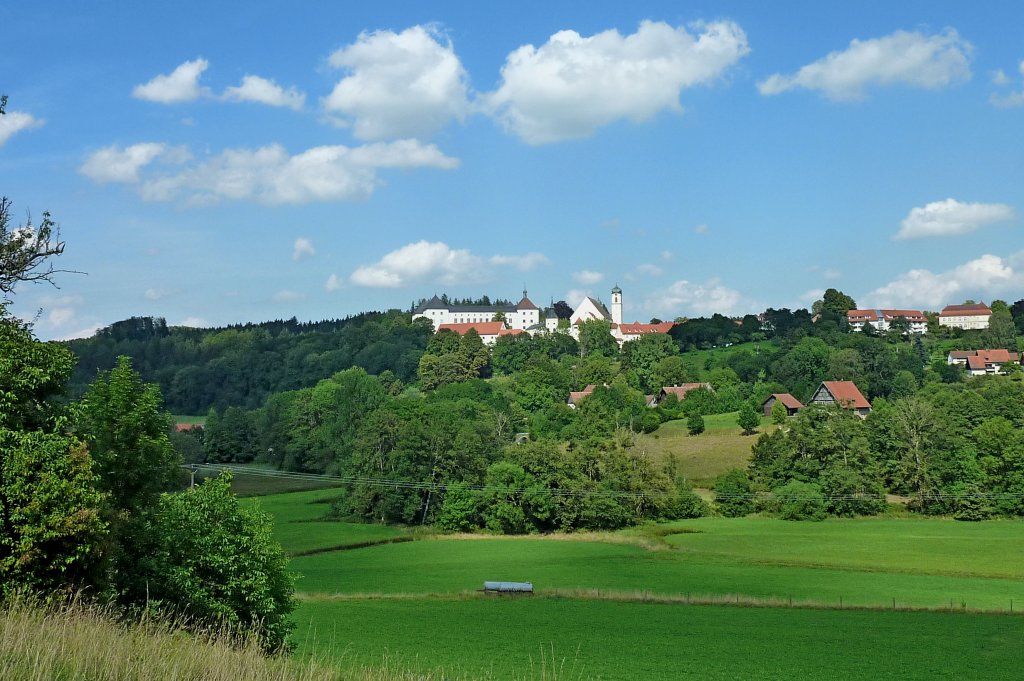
550,638
666,601
701,458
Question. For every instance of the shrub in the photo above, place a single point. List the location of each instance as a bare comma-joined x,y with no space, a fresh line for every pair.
799,501
748,419
215,563
734,493
695,424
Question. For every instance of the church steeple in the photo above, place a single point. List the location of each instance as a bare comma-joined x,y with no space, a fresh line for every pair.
616,305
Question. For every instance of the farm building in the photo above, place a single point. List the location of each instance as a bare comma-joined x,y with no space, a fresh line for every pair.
679,391
844,393
791,404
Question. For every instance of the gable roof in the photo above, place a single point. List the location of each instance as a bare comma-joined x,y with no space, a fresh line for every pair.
787,400
846,394
434,303
681,390
888,315
597,304
526,304
576,396
967,310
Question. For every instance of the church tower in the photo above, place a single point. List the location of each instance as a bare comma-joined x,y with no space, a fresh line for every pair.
616,305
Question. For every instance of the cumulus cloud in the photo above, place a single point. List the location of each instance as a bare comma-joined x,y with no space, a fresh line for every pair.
575,296
685,297
572,85
1010,99
420,262
700,229
194,322
436,262
303,249
14,122
666,255
269,174
985,277
587,277
264,91
112,164
408,84
286,297
523,263
901,58
334,283
951,217
181,85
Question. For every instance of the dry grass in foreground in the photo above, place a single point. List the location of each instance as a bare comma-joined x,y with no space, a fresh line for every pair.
83,643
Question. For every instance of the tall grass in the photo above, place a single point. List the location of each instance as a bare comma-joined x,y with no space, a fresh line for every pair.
78,642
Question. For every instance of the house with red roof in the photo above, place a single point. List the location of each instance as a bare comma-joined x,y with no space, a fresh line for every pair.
578,396
982,362
791,404
966,316
844,393
679,391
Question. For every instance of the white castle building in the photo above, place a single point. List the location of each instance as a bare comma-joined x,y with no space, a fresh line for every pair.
525,316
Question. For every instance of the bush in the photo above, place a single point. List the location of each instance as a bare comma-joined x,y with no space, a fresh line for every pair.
695,424
215,563
748,419
734,493
851,494
799,501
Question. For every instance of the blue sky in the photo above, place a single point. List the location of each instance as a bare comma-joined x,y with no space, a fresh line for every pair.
214,165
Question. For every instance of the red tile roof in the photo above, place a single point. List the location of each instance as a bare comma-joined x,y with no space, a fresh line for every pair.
526,304
888,315
681,390
965,310
482,328
185,427
575,397
846,394
787,400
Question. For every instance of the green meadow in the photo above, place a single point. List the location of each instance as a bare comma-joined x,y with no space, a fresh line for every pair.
701,458
708,598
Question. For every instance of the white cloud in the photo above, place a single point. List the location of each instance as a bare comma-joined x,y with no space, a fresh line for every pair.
701,229
985,277
84,332
523,263
649,269
831,273
303,249
264,91
60,316
1010,99
666,255
158,293
575,296
572,85
181,85
420,262
14,122
951,217
808,298
684,297
334,283
286,297
267,175
194,322
587,277
112,164
903,57
408,84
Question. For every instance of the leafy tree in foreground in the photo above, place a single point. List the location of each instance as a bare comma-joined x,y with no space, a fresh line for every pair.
50,523
215,562
24,251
